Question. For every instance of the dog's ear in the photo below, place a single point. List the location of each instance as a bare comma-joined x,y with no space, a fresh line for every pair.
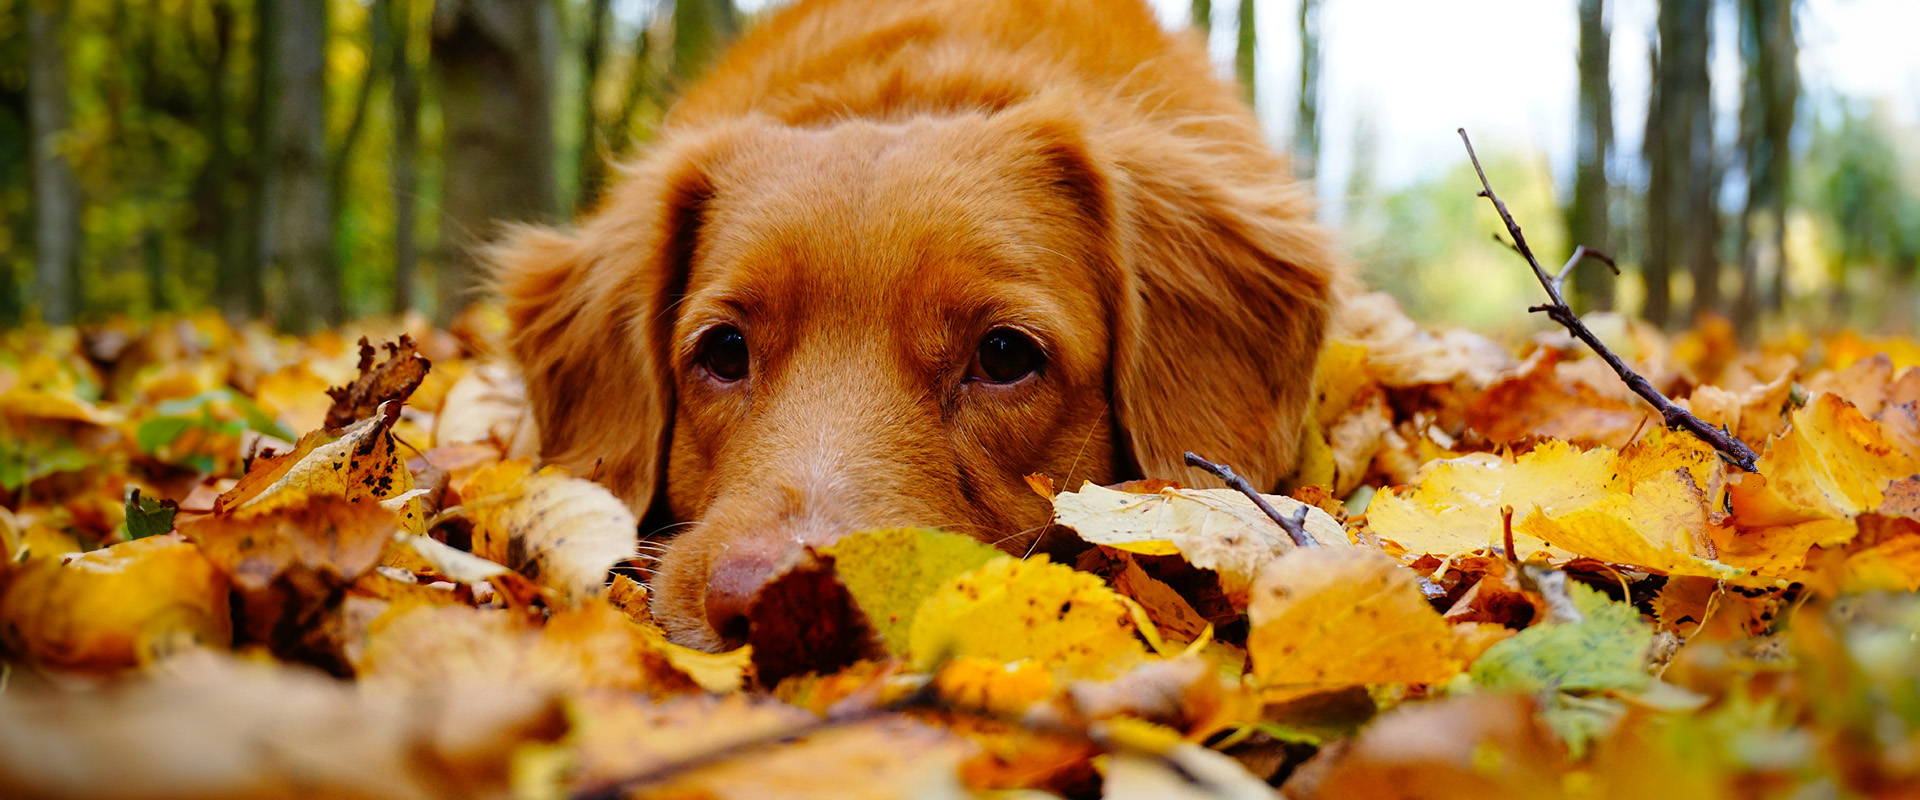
589,313
1229,286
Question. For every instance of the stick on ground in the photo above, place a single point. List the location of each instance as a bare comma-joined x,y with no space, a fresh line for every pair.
1733,450
1295,526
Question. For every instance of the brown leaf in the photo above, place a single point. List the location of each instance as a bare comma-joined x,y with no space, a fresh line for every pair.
290,559
393,379
213,727
805,621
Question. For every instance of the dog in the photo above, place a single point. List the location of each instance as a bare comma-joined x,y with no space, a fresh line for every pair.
893,256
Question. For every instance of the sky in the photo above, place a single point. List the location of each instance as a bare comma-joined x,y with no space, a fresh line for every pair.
1415,70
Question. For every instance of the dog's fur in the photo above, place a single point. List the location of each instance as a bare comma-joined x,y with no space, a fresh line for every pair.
865,188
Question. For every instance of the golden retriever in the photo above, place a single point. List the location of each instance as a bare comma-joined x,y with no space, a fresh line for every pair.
893,256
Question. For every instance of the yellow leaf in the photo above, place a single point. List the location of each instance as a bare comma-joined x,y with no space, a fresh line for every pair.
1216,529
1833,463
361,464
563,532
891,571
1345,616
1455,506
1010,610
113,607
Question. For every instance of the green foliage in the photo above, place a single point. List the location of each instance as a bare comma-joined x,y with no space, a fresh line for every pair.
1574,667
147,515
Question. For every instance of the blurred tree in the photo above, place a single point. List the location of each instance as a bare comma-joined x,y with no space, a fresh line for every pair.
1587,222
404,172
1875,217
701,30
379,43
593,142
494,61
646,86
1679,146
1768,96
1306,120
16,218
297,241
1244,49
236,272
1200,13
56,192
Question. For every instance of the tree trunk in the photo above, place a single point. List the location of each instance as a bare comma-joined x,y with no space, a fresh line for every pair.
1200,13
593,144
1771,90
645,82
1306,120
339,166
56,191
405,171
1654,268
1593,144
1680,215
297,239
232,265
701,29
494,60
1244,50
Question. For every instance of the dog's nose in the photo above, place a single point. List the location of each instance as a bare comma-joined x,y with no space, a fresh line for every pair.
735,582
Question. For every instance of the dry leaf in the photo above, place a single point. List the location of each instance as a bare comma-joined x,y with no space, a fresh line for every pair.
1216,529
115,607
563,532
1010,610
1345,616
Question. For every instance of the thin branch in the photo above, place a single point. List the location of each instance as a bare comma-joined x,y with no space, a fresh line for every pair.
1296,526
1731,449
1582,253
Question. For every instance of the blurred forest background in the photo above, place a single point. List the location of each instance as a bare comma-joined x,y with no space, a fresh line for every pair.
309,161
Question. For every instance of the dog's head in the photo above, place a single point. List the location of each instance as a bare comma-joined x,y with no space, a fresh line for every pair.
789,333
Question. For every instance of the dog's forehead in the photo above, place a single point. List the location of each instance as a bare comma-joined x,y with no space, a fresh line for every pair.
873,206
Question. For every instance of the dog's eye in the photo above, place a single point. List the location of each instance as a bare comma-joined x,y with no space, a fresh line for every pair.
723,352
1005,356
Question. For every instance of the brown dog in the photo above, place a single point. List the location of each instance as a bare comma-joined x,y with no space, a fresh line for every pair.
893,256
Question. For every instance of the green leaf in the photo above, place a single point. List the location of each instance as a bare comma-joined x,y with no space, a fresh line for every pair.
1605,650
891,571
159,432
148,516
19,467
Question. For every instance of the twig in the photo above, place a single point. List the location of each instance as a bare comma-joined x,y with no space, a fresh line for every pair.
1296,526
1732,449
1506,528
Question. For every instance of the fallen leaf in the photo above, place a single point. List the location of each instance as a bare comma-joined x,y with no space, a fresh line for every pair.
1345,616
563,532
116,607
803,620
1011,610
217,728
1215,529
487,405
393,380
891,571
360,464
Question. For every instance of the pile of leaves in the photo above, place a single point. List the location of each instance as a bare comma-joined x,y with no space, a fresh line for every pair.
223,578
